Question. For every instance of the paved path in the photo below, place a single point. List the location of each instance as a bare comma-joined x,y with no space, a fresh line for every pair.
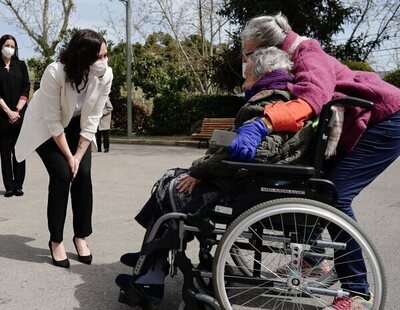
122,181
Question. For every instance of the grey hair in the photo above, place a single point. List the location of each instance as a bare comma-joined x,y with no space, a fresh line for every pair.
268,59
266,30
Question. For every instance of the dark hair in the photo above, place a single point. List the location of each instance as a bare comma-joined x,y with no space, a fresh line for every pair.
82,51
3,40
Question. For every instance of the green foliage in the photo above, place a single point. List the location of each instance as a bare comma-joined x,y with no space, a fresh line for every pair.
226,67
179,114
163,45
320,19
358,65
155,76
393,78
157,68
38,66
141,121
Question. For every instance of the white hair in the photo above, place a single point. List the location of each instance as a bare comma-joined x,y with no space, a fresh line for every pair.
266,30
268,59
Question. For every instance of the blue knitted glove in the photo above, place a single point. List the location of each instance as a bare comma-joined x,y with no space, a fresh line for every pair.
249,136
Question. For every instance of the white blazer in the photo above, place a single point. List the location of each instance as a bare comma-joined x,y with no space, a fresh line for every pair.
52,107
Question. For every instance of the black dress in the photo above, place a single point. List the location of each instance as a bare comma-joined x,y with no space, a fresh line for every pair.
14,83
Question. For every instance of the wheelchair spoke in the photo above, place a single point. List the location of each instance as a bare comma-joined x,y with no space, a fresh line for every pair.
269,270
284,256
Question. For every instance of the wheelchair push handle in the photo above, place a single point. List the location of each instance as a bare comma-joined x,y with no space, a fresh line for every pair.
351,102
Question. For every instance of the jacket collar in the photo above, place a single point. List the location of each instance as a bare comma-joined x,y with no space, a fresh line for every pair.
292,41
266,93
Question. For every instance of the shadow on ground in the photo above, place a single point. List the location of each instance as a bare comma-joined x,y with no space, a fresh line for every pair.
98,289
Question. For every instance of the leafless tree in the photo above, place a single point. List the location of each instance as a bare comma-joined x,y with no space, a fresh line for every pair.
186,18
116,20
378,22
44,21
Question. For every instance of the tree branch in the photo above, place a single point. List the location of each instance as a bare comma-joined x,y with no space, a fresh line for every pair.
24,25
167,16
68,6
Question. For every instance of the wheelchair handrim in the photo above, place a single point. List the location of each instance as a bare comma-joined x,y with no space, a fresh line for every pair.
288,206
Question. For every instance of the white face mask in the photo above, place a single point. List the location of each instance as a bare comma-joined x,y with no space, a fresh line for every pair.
244,65
99,68
8,52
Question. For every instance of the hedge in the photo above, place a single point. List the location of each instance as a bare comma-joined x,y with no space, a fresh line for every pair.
358,65
179,114
140,118
393,78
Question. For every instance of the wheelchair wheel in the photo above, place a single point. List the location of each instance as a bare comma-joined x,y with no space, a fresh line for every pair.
285,258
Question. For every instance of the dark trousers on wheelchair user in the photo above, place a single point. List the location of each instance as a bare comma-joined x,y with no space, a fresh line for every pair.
148,286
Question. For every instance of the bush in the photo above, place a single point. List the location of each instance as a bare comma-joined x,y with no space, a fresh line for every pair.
358,65
179,114
393,78
141,121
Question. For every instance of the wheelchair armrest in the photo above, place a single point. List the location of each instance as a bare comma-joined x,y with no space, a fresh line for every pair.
351,102
271,168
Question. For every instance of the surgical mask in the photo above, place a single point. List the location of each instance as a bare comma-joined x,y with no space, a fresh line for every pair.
99,68
244,65
8,52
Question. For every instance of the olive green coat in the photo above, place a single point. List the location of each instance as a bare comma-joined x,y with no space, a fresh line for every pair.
280,148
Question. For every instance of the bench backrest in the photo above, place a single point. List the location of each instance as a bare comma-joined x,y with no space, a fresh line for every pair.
209,124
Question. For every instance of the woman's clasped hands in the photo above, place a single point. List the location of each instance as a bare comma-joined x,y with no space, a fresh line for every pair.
74,162
13,116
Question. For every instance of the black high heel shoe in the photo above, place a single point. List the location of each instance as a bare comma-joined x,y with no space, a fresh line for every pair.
59,263
87,259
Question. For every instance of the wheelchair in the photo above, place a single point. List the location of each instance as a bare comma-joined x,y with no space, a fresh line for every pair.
257,238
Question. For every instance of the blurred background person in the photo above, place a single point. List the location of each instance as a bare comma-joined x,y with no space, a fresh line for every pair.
104,128
14,94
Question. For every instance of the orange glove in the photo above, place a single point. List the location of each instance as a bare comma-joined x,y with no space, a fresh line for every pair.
289,116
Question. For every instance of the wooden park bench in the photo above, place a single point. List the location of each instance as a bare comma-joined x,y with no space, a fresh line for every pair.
208,125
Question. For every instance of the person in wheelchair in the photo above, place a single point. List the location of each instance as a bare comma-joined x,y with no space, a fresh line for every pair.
370,139
185,190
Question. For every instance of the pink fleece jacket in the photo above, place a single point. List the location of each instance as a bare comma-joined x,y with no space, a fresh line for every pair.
320,77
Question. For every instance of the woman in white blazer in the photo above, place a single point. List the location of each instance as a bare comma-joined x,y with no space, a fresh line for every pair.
60,123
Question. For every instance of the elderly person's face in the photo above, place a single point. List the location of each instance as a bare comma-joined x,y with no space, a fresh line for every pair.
248,48
249,73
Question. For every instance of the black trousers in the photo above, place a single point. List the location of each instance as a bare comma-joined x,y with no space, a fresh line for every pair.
13,172
60,185
106,137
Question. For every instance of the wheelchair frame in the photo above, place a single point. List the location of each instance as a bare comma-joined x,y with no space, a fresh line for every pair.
307,194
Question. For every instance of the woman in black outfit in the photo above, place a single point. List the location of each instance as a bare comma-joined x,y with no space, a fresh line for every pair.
14,93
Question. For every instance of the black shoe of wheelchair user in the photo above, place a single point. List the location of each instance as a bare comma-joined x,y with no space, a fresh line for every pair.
130,259
144,296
